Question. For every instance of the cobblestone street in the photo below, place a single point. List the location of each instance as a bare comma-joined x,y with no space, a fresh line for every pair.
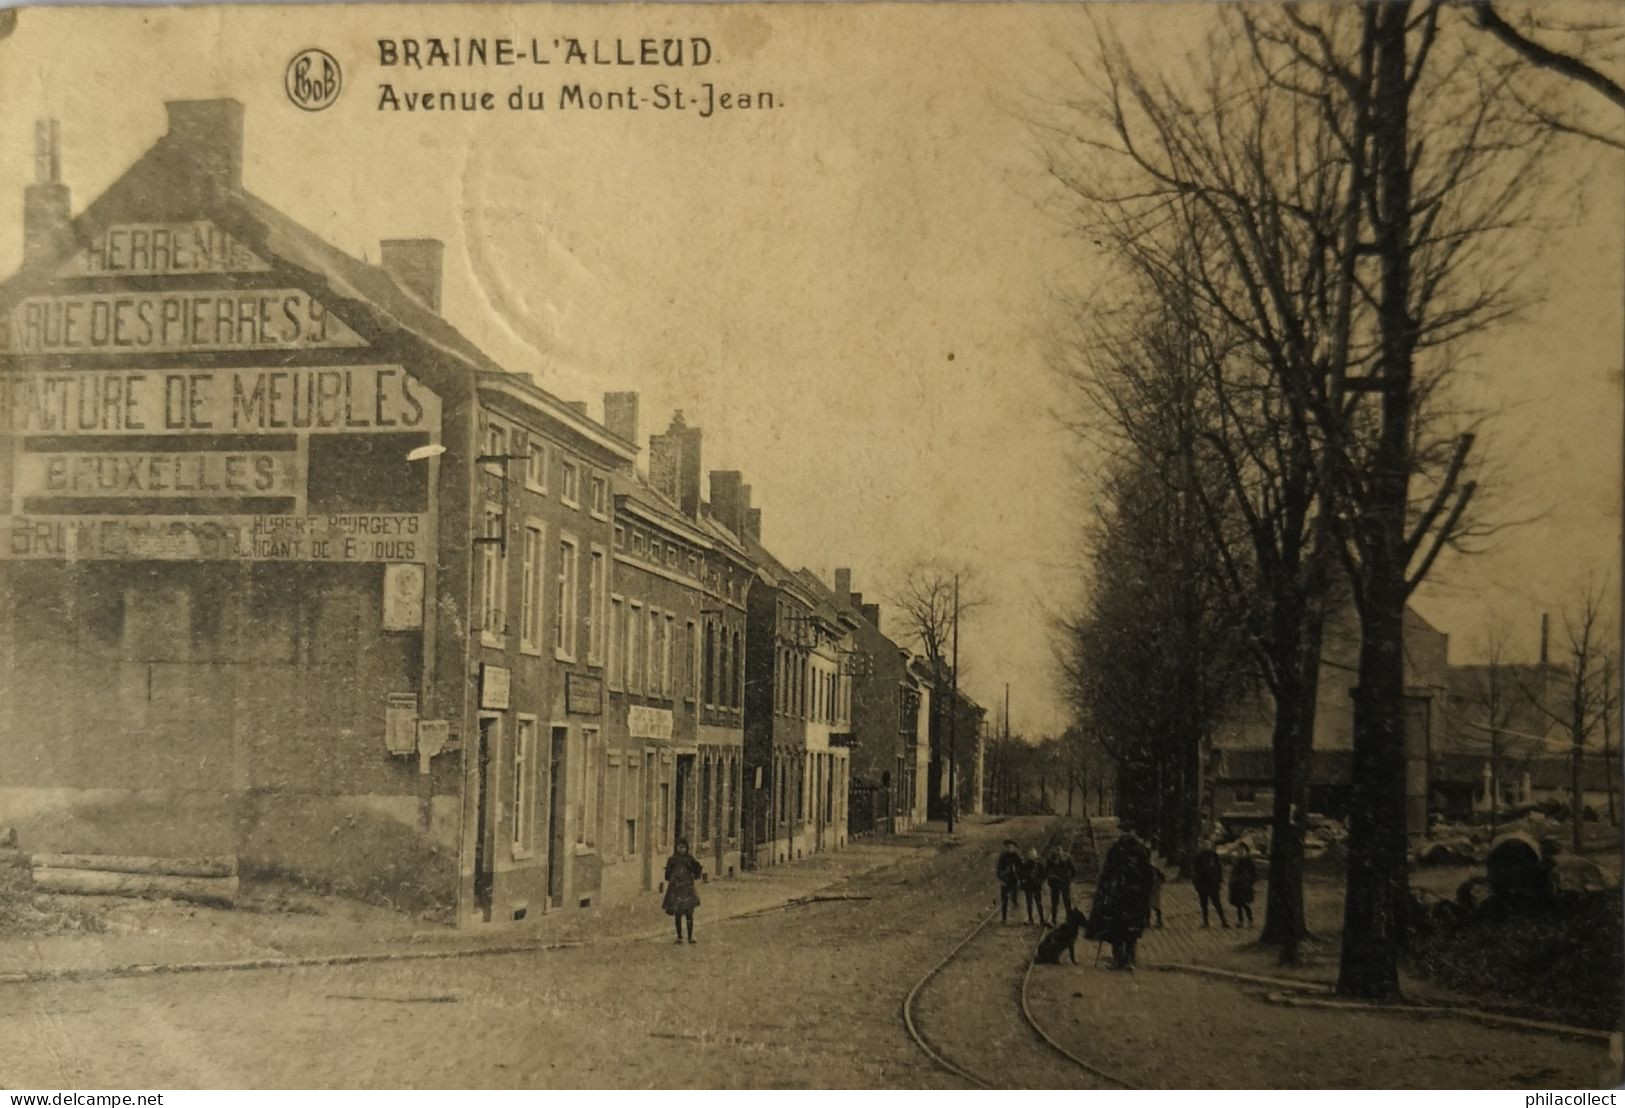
806,995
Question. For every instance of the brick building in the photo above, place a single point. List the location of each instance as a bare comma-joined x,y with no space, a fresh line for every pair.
890,716
291,569
677,619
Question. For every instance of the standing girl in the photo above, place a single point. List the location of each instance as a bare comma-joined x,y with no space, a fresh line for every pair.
682,870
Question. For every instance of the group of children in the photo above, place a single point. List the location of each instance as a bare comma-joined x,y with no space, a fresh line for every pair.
1028,875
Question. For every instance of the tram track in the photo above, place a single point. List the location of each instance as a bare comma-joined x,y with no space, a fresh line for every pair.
1022,1057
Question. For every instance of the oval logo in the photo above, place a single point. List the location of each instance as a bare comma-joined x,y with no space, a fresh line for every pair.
313,79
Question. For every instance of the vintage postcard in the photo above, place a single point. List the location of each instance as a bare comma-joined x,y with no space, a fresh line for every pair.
901,546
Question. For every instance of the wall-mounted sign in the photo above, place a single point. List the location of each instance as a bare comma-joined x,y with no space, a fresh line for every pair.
648,723
434,735
173,321
403,596
583,694
494,682
162,474
401,722
348,399
146,249
355,537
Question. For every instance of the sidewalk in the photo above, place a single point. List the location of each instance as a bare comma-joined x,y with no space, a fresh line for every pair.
274,925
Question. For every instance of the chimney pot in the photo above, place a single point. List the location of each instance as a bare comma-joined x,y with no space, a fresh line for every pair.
415,265
674,464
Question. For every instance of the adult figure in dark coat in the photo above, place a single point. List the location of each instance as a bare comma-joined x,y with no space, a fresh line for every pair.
1122,899
1207,874
1243,875
1009,872
1059,872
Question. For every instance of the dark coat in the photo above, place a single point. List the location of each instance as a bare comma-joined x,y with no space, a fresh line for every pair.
1243,875
1059,870
1009,868
1208,871
682,870
1123,896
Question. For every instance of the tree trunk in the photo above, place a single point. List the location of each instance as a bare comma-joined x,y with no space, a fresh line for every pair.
1374,905
1293,743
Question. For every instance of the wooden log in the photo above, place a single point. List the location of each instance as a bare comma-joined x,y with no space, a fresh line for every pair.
89,882
223,866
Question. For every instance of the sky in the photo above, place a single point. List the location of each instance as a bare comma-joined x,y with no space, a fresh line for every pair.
852,293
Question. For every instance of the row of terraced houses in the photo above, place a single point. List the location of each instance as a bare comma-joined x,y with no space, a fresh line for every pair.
295,571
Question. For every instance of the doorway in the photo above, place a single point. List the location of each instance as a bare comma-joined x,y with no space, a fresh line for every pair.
556,827
681,793
648,816
484,832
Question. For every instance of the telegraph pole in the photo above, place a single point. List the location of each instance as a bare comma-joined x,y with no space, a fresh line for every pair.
953,714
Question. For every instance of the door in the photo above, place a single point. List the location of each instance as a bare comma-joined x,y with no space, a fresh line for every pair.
648,819
682,795
484,832
557,830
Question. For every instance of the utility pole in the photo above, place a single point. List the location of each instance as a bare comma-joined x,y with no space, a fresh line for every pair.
953,713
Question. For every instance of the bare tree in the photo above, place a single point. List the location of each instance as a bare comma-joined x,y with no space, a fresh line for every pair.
1588,697
925,600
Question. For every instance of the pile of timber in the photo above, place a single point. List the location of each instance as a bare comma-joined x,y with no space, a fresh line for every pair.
201,880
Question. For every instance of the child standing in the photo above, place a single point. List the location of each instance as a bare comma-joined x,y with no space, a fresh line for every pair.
682,870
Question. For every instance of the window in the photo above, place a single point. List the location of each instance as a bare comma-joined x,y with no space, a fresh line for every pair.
570,483
530,597
739,672
496,445
634,635
564,616
587,784
614,802
597,581
524,786
668,633
617,633
710,662
638,543
536,465
600,498
691,657
631,804
493,580
652,684
705,801
620,537
694,565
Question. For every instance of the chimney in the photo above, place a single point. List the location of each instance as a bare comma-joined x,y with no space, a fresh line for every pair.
674,464
843,585
753,524
414,264
727,497
621,415
45,202
871,612
1545,632
209,137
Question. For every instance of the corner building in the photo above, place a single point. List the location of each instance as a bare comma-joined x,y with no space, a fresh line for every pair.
289,568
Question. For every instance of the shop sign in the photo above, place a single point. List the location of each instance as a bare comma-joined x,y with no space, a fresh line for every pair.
494,682
583,694
643,722
153,249
352,537
401,722
175,321
158,474
335,399
403,596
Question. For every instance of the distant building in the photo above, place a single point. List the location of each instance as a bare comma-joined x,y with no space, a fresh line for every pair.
1240,777
890,706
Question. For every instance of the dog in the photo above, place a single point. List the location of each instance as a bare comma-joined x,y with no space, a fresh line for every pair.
1063,937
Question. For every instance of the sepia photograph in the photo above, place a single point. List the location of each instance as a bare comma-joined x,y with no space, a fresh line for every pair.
850,545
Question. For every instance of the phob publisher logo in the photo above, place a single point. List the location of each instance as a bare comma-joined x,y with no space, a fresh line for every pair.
313,79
